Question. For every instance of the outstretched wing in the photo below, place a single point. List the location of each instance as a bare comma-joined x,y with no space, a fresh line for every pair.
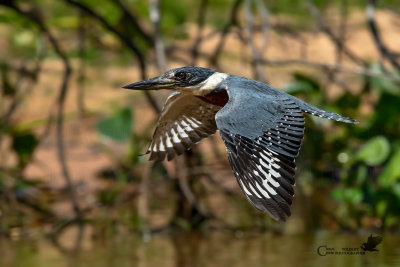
373,241
184,121
262,143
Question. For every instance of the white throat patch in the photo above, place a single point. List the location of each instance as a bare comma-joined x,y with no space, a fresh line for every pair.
211,82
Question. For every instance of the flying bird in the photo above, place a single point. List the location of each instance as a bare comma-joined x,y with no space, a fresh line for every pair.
262,128
371,243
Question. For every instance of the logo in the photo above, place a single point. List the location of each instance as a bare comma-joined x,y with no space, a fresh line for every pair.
370,246
371,243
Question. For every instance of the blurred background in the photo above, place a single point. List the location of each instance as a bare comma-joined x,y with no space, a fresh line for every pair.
73,190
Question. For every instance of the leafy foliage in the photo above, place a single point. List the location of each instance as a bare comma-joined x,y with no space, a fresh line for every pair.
117,127
24,144
375,151
368,185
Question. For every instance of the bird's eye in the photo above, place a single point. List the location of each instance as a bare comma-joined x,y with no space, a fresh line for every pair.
182,75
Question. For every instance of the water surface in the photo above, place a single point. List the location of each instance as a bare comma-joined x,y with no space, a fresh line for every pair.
214,249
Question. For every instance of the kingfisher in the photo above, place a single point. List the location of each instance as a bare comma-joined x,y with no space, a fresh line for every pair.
262,128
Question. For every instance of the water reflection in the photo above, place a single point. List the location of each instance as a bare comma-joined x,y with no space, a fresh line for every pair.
213,249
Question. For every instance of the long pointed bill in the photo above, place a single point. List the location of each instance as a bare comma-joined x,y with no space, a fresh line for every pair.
155,83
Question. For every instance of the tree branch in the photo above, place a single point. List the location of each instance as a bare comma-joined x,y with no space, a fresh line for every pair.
332,68
337,41
200,25
125,40
158,42
61,100
384,51
147,37
256,55
231,22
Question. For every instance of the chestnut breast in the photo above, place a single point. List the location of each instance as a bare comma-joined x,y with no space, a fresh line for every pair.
219,98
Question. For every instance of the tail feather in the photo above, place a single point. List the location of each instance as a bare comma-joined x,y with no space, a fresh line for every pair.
325,114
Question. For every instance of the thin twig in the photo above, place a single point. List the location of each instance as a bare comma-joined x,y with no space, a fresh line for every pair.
110,28
339,44
183,181
159,44
125,40
81,69
231,22
265,24
332,67
256,55
214,182
199,35
131,17
342,30
21,70
23,73
143,205
384,51
61,100
31,78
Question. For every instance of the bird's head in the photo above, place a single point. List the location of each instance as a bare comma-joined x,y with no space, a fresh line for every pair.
192,80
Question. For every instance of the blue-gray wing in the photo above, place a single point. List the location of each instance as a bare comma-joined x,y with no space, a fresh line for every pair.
263,135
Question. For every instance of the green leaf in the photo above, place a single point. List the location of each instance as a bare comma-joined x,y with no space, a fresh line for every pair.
136,149
24,145
375,151
24,38
301,77
353,195
362,173
396,190
391,172
387,119
158,171
298,87
107,197
66,22
118,127
381,208
7,88
348,102
337,194
382,84
182,223
348,195
302,84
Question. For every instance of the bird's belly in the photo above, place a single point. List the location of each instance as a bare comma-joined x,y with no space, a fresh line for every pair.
216,98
